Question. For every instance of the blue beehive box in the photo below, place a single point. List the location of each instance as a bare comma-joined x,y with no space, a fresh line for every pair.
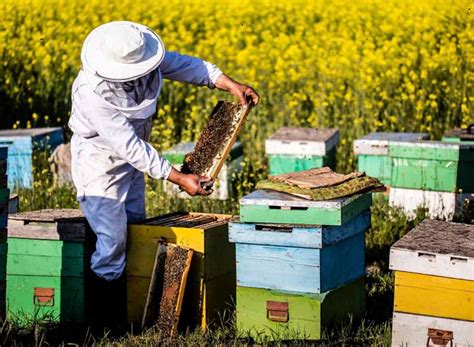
22,143
299,258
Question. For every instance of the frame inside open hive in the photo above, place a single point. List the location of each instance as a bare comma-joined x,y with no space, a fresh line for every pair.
216,140
188,220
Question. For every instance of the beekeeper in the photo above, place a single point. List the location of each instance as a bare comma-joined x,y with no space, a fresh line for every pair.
113,100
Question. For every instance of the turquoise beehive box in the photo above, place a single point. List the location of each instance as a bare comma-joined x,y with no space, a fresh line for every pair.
22,143
308,258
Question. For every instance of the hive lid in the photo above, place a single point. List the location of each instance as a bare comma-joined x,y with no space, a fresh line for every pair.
49,224
176,154
273,198
461,134
376,143
436,248
302,141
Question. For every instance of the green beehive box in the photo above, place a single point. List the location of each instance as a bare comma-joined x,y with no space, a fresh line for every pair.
45,266
265,206
275,315
298,149
372,152
433,165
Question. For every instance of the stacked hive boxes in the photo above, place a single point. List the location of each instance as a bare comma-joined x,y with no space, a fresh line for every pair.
298,149
223,185
4,197
434,285
432,174
46,265
210,287
300,263
22,144
372,153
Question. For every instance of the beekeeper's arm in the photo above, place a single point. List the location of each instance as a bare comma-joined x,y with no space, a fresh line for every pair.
119,133
184,68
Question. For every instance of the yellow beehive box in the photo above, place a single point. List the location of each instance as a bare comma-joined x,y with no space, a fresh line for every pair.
434,296
434,270
211,280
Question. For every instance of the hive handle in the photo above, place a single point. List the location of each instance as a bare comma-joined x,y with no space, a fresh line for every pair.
439,337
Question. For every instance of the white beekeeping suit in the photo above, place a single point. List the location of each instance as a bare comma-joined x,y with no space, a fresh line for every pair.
111,121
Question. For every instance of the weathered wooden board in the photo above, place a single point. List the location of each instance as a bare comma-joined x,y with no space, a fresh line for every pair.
206,234
308,236
434,296
42,298
460,134
436,248
376,143
430,165
59,224
439,205
302,141
303,270
276,315
21,144
412,330
263,206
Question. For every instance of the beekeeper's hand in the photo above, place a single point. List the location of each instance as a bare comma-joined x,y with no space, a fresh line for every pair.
243,92
190,183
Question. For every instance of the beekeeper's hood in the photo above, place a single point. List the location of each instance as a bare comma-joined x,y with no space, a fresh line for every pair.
121,60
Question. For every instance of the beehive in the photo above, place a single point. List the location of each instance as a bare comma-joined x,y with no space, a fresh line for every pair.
298,149
46,265
262,206
223,185
22,143
460,135
289,316
433,165
372,152
439,205
434,277
307,257
211,280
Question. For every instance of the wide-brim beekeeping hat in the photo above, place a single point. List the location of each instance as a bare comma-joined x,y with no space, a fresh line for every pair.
122,51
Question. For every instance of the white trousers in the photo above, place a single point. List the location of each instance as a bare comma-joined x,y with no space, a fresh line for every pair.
111,193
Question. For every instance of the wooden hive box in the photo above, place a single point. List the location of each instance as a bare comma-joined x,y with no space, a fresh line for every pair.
22,143
265,206
438,205
372,153
299,258
465,135
414,330
434,270
46,265
433,165
210,287
277,315
298,149
223,185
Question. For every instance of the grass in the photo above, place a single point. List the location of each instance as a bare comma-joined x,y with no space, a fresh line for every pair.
388,225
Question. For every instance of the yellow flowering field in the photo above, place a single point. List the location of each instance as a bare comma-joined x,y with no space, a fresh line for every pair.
360,65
